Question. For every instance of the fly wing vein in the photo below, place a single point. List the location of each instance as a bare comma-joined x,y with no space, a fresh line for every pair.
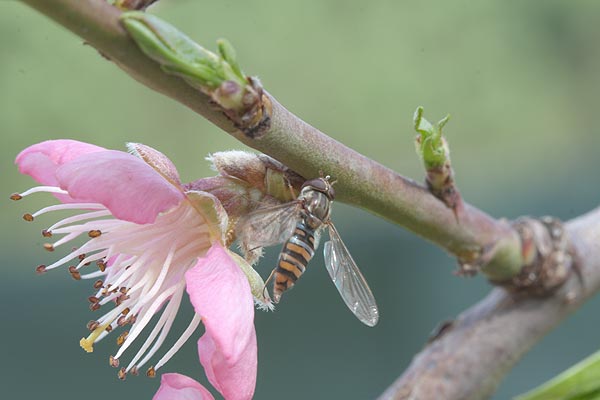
348,280
268,226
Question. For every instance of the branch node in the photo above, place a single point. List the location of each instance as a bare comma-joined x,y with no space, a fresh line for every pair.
470,263
256,119
548,257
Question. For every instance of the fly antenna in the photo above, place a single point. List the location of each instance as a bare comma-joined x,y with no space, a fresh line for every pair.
328,179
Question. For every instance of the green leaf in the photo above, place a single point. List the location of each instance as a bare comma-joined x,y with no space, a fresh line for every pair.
430,144
199,76
580,382
228,53
178,54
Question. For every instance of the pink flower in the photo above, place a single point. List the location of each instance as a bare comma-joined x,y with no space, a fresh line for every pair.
180,387
151,241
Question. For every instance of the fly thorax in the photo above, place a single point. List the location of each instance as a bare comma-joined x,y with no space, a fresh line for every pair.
316,205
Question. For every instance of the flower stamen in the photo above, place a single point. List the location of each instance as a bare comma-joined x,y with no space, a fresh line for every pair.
141,269
94,233
148,313
163,326
37,189
113,362
74,273
92,325
78,218
180,342
151,373
121,338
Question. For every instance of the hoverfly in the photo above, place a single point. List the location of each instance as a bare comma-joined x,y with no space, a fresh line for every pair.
297,224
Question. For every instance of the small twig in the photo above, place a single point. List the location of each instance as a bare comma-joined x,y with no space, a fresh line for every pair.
434,150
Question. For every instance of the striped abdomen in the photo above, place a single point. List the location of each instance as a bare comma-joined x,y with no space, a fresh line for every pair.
294,258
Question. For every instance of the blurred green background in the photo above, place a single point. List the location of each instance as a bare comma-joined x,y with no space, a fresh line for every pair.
521,80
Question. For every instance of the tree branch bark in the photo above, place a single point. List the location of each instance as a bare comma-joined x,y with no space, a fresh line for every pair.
470,357
361,182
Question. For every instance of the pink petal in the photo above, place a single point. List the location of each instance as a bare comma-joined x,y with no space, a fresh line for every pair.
181,387
127,186
234,380
41,160
220,293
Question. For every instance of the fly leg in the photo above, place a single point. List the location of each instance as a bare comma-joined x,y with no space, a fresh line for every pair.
267,282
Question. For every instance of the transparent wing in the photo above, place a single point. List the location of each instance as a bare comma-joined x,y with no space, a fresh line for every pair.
269,225
348,280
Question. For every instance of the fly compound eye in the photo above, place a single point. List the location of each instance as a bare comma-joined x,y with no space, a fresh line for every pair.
317,184
321,185
330,192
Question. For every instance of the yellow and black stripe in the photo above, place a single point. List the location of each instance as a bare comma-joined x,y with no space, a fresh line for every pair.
294,258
